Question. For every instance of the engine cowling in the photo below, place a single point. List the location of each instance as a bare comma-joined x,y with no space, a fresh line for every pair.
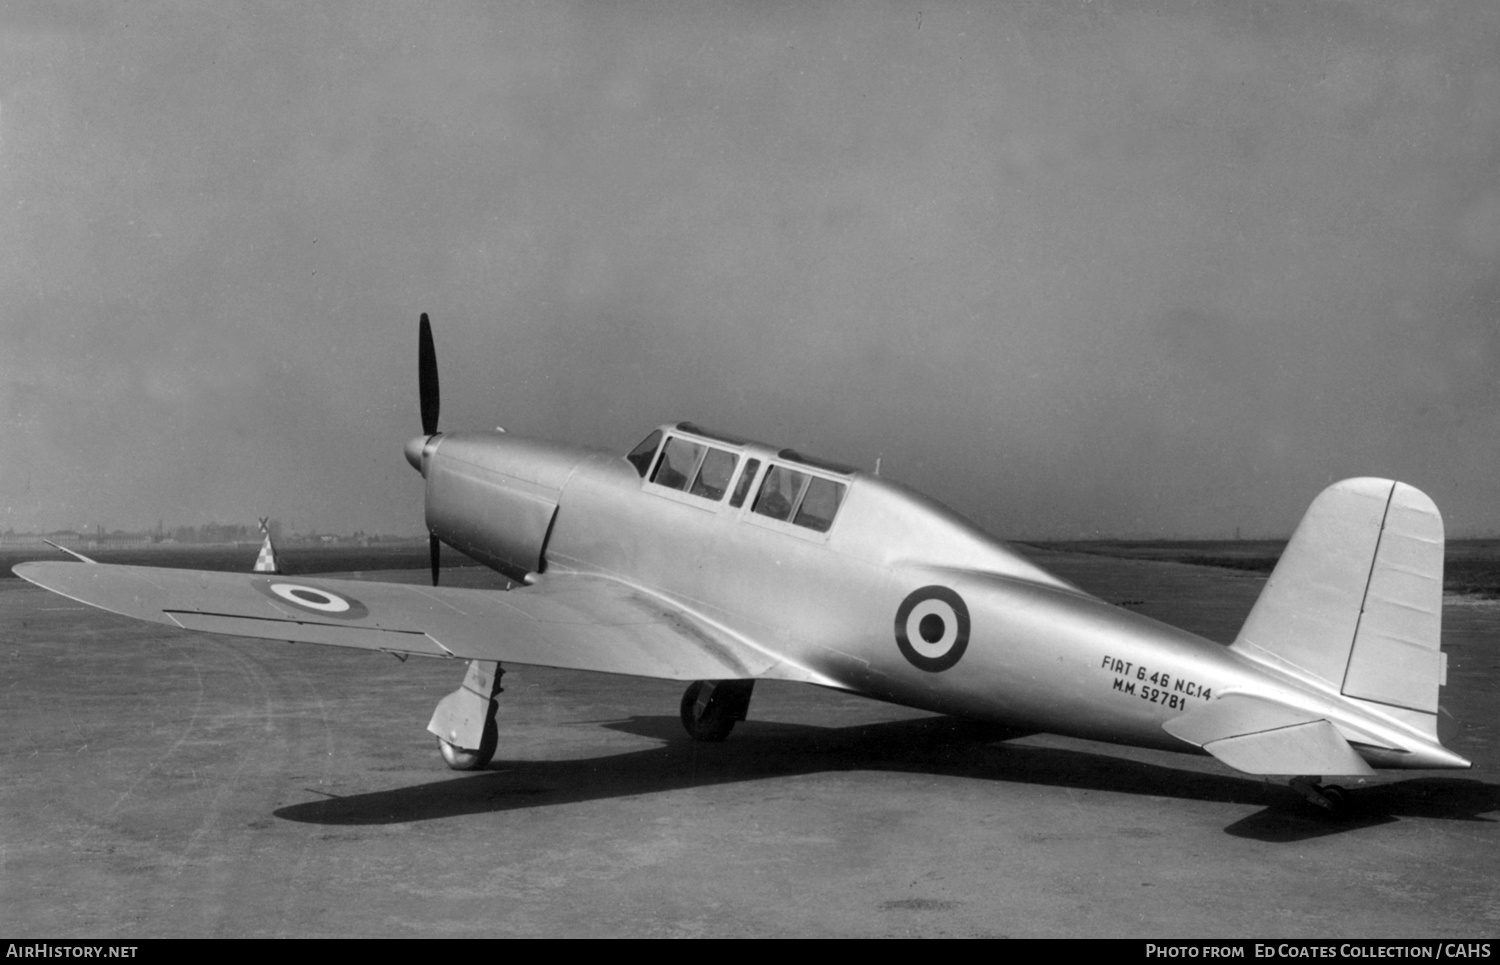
493,496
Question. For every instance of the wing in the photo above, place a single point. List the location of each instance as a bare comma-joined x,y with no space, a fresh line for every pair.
570,621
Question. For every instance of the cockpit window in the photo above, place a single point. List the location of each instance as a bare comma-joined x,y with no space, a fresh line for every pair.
804,499
678,461
819,504
713,477
705,471
640,456
742,488
780,492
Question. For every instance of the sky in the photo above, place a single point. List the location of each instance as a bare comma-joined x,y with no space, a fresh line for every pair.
1076,269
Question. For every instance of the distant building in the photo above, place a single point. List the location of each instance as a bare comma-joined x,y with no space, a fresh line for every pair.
64,537
119,541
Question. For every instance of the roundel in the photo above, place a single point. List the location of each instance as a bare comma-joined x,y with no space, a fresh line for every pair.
932,628
314,600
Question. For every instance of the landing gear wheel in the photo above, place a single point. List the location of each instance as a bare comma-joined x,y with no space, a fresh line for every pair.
1334,800
1340,805
471,759
706,714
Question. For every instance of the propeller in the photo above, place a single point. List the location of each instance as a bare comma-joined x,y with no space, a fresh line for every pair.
427,388
427,376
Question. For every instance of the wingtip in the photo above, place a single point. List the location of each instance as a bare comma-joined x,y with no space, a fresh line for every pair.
31,571
35,571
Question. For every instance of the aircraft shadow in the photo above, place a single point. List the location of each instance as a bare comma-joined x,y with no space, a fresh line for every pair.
932,745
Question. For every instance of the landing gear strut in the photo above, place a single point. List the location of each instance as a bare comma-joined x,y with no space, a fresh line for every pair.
464,721
710,708
1330,797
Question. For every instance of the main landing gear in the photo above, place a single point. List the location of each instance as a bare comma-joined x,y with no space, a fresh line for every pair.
464,721
1330,797
710,708
467,735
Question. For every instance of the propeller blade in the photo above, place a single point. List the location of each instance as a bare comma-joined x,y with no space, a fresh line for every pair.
433,547
427,377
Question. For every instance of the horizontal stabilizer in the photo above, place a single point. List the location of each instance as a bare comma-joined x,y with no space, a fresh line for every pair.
1311,748
1260,736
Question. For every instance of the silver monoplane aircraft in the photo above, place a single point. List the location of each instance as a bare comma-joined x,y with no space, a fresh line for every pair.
702,557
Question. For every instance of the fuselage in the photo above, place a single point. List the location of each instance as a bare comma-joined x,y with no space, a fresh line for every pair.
855,582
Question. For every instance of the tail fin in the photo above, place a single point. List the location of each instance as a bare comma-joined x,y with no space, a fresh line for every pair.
266,562
1356,600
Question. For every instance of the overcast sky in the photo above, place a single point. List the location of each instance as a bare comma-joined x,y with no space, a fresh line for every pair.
1074,268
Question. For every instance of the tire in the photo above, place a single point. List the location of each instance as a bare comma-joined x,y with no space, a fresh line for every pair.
1340,804
713,722
472,759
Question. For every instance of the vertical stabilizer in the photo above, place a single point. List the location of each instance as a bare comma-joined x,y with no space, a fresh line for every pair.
1356,599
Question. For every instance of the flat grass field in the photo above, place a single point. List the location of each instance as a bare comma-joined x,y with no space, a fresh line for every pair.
1471,566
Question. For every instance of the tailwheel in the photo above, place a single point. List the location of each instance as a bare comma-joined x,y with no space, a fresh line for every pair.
1340,804
472,759
710,708
1332,798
